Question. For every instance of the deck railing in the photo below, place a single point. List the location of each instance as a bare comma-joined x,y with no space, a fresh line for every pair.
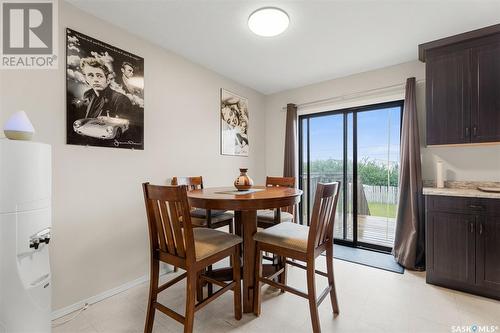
372,193
371,229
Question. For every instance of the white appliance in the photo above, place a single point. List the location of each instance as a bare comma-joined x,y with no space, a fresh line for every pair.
25,222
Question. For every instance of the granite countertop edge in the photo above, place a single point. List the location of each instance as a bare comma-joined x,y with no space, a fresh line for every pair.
460,192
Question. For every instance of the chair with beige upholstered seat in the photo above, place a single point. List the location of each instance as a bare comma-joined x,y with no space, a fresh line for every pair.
205,218
305,244
267,218
191,249
213,219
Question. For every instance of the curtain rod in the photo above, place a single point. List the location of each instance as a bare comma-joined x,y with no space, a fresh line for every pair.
354,95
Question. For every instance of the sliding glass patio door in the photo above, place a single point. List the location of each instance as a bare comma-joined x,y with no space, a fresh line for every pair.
360,148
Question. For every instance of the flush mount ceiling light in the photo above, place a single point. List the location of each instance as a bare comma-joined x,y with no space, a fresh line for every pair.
268,21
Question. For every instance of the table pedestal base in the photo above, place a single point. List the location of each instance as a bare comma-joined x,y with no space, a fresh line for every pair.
248,222
246,227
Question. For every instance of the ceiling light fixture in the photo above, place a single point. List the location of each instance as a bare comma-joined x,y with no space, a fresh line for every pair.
268,21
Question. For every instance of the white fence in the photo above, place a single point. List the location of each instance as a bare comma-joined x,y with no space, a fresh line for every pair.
382,194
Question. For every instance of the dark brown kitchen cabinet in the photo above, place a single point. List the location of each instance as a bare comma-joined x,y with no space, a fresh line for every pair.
485,102
488,252
462,87
452,240
447,92
463,244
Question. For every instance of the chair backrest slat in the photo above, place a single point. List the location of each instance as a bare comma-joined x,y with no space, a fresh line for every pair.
193,183
179,238
328,207
159,226
169,220
323,214
167,225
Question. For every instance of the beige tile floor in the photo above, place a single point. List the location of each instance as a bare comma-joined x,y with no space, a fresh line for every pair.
371,300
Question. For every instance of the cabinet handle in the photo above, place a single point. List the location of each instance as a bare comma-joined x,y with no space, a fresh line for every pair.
481,229
466,132
476,207
474,131
471,227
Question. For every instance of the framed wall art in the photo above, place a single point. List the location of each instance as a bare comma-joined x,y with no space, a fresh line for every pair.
105,94
234,124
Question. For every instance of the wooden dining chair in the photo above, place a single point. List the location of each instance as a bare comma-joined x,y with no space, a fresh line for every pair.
205,218
305,244
200,217
268,217
191,249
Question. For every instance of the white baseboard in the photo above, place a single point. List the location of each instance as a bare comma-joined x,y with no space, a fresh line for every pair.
164,269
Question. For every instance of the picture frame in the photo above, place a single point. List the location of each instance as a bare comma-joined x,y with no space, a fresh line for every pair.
234,123
104,94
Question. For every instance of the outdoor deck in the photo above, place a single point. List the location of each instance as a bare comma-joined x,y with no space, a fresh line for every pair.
376,230
373,230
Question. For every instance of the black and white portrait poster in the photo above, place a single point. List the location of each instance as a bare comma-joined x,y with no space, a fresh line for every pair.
234,124
105,94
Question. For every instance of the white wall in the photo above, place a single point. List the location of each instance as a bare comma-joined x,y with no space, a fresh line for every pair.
99,222
462,163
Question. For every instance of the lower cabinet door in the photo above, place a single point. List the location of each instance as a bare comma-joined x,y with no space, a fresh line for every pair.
451,248
488,252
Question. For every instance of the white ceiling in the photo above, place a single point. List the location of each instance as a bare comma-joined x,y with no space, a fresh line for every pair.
325,40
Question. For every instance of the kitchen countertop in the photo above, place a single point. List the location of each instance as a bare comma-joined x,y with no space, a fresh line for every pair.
460,192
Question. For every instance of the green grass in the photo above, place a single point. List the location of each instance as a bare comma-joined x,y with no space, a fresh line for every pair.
382,210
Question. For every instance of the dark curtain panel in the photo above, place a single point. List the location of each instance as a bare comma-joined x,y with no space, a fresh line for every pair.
290,166
291,144
409,243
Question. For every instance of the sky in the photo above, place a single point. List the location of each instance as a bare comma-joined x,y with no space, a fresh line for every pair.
378,135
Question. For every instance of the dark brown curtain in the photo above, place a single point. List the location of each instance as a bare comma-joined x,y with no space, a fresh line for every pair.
409,243
290,166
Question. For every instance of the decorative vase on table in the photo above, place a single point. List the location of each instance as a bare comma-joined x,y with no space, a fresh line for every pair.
243,182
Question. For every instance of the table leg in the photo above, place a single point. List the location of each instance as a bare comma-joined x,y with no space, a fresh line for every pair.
248,222
237,223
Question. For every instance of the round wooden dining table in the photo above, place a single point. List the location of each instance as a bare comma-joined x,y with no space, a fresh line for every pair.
245,208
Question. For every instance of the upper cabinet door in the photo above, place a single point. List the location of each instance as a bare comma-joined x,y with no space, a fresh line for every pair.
447,96
485,95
